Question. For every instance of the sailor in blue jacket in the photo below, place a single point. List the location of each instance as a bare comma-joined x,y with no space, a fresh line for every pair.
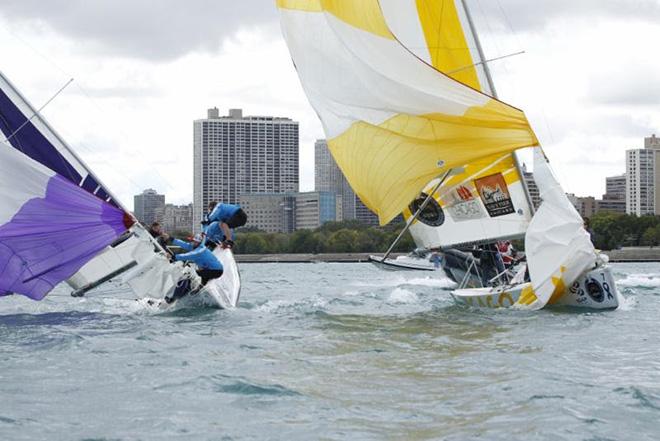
216,234
209,267
228,216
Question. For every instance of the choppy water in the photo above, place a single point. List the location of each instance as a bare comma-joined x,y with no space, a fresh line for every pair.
335,352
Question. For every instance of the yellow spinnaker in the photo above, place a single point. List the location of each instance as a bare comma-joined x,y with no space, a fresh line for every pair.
394,122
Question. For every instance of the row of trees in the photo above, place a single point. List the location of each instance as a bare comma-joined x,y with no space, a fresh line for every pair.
613,231
610,230
333,237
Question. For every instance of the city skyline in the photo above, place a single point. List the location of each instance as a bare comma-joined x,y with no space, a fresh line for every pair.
136,90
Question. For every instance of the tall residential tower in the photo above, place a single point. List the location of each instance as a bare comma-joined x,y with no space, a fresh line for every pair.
236,155
643,178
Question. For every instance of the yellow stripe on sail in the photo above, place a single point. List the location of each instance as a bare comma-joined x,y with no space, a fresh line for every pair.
445,38
389,164
362,14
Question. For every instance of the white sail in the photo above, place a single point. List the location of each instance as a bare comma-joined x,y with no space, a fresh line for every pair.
558,248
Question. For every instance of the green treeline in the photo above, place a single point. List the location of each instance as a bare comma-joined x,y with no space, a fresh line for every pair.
332,237
613,231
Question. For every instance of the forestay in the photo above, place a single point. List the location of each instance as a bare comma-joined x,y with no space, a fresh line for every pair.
49,227
398,94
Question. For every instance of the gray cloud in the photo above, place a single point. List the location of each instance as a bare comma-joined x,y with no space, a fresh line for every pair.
533,16
167,29
146,29
636,86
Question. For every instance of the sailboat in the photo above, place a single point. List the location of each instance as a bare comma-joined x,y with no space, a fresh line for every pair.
412,118
60,223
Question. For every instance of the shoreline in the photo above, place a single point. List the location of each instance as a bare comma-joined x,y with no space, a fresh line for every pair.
633,255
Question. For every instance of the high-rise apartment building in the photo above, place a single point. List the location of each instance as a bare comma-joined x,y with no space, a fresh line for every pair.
236,155
532,188
147,204
329,177
643,178
176,218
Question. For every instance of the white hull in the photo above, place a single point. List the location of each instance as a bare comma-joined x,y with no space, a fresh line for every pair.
595,290
223,293
403,263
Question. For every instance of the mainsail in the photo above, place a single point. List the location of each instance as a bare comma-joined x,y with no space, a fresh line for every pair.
399,95
49,227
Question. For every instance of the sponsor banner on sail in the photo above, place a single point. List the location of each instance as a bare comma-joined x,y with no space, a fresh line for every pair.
484,203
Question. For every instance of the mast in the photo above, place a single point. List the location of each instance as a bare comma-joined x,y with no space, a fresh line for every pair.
493,90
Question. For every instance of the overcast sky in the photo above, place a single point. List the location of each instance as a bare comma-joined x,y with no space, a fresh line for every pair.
145,69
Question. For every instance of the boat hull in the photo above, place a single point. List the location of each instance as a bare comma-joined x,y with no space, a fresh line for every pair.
403,263
596,290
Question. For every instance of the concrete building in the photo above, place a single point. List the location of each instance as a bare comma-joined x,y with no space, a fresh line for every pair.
366,216
614,199
615,187
236,155
270,212
176,217
329,177
147,204
642,178
315,208
532,187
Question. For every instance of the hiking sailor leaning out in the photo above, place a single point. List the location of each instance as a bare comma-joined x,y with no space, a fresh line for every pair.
208,266
221,220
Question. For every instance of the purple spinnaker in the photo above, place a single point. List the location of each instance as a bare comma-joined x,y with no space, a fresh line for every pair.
51,238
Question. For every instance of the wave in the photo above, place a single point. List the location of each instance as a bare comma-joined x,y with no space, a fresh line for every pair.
402,296
433,282
640,281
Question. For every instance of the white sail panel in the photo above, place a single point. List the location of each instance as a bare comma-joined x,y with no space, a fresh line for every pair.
558,248
485,203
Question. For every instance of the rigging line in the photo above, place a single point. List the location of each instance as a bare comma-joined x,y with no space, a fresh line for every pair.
509,23
38,112
484,62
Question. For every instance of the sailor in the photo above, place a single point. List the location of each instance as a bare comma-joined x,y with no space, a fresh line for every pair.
209,267
157,233
216,235
229,217
507,252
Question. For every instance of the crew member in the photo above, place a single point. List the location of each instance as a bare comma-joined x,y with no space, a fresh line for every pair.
216,235
157,233
229,217
208,266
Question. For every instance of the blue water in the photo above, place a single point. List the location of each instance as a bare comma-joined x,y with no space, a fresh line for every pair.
333,352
